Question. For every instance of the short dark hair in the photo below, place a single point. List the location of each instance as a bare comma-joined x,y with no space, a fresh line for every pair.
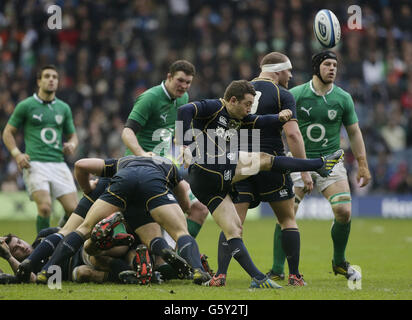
238,89
49,66
8,238
182,65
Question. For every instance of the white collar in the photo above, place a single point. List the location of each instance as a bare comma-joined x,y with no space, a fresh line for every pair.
35,96
314,91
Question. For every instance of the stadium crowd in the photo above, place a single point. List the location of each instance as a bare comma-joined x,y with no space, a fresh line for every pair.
108,52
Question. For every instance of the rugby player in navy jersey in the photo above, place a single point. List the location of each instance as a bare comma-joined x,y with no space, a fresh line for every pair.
211,150
276,188
143,188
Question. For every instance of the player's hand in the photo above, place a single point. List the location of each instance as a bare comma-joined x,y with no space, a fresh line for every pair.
93,184
307,181
364,176
285,115
148,154
4,250
68,148
187,157
23,161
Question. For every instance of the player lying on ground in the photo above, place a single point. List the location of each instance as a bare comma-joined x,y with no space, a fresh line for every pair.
115,265
143,188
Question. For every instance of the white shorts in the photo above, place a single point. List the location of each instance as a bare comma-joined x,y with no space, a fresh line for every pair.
53,177
338,173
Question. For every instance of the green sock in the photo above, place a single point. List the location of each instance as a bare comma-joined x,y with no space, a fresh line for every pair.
120,228
340,235
42,223
278,253
193,227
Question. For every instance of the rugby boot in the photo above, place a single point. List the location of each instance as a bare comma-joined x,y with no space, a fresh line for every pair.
205,264
265,283
329,163
346,270
102,233
296,280
216,281
183,269
143,265
275,276
200,277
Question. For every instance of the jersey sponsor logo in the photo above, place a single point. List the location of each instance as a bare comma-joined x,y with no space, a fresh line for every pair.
283,193
231,156
227,175
38,117
222,121
171,197
59,118
332,114
306,110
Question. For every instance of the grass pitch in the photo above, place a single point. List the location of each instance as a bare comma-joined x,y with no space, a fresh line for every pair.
380,247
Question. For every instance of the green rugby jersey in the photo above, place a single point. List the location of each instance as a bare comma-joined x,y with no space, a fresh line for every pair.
43,125
320,117
156,112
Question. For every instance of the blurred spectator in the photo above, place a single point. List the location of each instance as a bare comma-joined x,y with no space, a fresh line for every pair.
108,52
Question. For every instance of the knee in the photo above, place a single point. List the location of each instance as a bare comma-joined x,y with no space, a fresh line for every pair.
44,209
236,231
342,214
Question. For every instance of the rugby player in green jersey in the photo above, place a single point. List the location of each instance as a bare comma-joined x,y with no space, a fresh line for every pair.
45,119
322,108
150,128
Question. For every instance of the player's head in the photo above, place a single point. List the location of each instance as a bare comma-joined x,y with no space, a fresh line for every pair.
179,78
324,66
19,248
278,64
48,79
239,96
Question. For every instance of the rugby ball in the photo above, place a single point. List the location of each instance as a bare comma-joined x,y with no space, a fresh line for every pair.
326,28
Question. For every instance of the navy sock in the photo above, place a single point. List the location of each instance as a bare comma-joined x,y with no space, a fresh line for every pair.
223,255
291,247
117,266
44,250
289,164
187,248
66,249
240,253
157,245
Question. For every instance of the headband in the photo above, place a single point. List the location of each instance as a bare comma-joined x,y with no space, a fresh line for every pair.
276,67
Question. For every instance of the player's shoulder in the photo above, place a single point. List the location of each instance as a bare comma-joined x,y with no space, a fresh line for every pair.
62,103
339,91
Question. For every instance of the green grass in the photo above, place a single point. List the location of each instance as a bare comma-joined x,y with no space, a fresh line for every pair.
382,248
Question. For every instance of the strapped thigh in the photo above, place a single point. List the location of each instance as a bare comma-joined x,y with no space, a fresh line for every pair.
339,198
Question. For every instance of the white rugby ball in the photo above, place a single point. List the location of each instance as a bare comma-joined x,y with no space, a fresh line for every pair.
327,28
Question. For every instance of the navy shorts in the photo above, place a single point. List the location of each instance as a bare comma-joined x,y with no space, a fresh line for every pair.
88,199
137,191
266,186
212,184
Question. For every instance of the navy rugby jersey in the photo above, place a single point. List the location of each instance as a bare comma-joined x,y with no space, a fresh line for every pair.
215,133
272,99
165,165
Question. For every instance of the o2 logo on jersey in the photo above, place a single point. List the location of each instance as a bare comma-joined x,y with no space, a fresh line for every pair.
49,136
320,132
